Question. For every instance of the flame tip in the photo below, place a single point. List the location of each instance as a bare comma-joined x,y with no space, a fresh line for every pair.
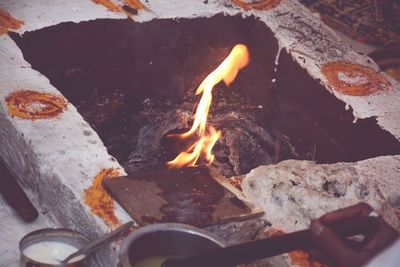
208,136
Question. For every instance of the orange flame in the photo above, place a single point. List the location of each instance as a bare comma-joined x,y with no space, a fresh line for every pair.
208,136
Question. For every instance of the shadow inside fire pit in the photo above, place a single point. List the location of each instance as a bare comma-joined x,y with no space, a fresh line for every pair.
134,83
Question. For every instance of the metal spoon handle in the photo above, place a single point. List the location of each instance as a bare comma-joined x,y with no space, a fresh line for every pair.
254,250
92,246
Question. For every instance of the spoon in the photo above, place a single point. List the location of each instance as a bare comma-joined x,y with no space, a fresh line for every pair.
94,245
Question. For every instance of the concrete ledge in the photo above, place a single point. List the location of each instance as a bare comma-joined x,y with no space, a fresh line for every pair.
292,193
57,158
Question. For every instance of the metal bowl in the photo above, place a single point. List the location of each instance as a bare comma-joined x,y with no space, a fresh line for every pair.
66,236
168,239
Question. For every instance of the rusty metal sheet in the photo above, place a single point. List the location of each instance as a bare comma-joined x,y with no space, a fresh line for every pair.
196,196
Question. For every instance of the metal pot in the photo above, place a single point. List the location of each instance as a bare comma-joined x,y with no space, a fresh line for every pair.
61,235
168,239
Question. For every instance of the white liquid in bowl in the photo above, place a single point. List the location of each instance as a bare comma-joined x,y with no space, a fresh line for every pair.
50,252
151,262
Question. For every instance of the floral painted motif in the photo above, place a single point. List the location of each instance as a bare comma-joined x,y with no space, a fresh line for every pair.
298,258
8,22
257,5
33,105
99,201
354,79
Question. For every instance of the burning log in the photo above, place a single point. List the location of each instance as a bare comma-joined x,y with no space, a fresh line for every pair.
208,136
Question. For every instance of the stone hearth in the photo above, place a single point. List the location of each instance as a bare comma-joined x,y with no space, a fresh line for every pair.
58,157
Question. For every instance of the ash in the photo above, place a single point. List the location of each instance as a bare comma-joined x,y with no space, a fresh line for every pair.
244,143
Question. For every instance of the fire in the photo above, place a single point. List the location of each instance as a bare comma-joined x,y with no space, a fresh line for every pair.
207,136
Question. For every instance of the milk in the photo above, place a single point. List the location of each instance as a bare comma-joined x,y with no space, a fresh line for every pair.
50,252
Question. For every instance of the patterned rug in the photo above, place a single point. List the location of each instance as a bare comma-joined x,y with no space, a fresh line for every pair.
370,21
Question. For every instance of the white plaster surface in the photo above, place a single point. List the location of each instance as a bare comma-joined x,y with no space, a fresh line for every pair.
293,192
55,161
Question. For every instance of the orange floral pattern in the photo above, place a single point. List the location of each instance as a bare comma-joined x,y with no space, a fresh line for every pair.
257,5
302,258
99,201
135,4
34,105
109,5
299,258
8,22
354,79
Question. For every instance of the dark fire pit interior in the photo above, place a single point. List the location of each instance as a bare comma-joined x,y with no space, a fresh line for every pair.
135,82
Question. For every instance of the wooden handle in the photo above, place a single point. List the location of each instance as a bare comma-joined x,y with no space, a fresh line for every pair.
15,196
264,248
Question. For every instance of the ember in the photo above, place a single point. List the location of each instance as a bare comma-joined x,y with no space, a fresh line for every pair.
208,135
